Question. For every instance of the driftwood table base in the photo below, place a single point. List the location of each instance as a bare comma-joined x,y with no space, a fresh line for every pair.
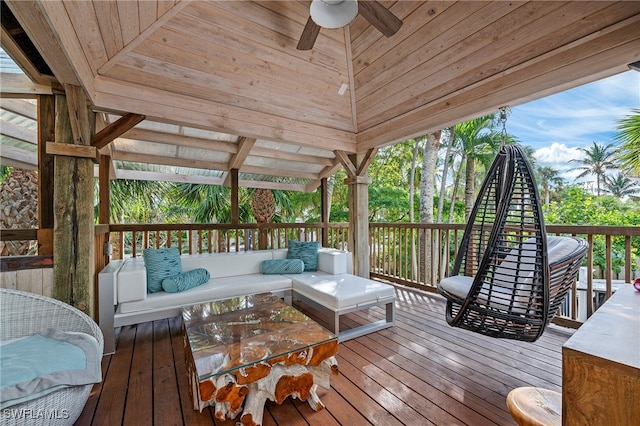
241,353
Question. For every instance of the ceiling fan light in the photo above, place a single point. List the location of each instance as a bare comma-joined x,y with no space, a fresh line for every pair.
332,13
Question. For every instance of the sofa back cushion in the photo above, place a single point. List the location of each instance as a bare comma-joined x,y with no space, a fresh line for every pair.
333,261
307,251
227,264
161,263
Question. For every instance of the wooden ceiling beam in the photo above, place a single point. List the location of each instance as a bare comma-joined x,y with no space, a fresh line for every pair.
277,172
20,86
237,160
167,177
265,184
72,150
20,107
366,161
20,133
116,129
18,56
346,162
290,156
16,157
37,25
244,147
168,161
181,140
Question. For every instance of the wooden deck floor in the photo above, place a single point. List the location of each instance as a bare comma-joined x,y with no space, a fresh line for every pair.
420,372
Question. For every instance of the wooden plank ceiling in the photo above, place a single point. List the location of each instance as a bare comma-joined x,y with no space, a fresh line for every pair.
222,85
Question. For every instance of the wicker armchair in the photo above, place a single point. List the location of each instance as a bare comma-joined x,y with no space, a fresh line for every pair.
23,314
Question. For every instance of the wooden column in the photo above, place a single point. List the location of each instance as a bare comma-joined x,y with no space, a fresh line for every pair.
357,166
235,215
324,211
359,223
104,194
73,238
46,132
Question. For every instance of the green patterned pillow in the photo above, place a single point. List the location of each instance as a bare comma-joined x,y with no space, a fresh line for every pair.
282,266
185,280
307,251
160,264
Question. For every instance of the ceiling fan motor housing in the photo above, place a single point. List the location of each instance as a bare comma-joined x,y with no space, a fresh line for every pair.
333,13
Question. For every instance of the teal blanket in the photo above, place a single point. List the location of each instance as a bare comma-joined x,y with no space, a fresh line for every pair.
36,365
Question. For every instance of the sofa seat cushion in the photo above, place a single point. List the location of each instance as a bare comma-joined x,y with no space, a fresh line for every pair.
215,289
340,291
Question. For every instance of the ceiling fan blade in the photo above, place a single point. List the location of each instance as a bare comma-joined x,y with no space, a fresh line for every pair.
379,16
309,35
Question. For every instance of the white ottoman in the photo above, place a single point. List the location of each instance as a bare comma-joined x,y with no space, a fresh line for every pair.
344,293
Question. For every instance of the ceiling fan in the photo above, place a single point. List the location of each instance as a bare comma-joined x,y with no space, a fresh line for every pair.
338,13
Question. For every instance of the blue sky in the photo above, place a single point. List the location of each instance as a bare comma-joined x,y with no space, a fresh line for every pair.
557,125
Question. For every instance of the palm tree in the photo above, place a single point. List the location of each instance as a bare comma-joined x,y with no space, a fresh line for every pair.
547,176
448,160
597,160
478,142
135,201
620,186
209,203
628,153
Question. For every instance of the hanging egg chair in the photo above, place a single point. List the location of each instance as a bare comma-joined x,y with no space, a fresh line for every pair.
509,278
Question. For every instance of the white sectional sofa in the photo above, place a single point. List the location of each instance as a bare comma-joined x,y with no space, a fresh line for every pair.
333,289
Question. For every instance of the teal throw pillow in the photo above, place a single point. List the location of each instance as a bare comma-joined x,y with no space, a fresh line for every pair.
185,280
282,266
160,264
307,251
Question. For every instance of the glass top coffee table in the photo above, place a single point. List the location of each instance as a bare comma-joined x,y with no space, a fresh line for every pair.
252,348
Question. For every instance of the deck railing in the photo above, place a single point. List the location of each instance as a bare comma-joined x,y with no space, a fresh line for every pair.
131,240
412,254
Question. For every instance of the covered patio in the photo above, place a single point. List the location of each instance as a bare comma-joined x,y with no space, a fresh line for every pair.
216,92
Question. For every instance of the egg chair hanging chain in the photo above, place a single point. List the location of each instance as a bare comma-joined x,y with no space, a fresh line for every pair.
503,120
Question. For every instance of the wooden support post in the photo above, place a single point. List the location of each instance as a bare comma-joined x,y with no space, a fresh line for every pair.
46,132
359,225
104,194
73,238
235,215
324,211
357,166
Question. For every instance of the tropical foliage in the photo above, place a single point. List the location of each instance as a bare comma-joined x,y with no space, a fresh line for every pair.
628,152
578,207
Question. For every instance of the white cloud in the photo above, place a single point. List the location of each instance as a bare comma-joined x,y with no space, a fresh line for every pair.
558,156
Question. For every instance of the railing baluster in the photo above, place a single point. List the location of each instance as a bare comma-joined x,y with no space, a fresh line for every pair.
608,264
627,259
134,237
